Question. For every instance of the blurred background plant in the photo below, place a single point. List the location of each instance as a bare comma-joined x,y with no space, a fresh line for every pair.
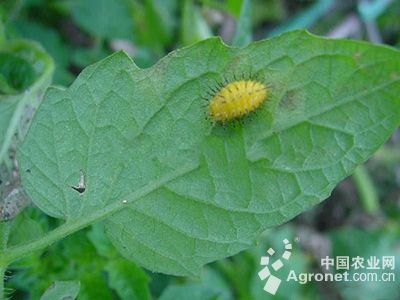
359,218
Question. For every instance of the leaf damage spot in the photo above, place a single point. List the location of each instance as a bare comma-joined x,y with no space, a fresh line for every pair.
292,101
81,186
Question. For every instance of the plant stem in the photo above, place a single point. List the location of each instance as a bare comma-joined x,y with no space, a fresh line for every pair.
5,228
366,190
71,226
387,155
2,273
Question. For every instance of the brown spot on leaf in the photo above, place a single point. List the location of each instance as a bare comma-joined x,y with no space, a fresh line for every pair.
290,101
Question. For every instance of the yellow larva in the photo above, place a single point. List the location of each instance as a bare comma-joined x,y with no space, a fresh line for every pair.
237,99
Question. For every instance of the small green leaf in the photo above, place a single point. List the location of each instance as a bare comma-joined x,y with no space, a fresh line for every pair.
211,286
154,21
16,74
25,70
100,241
243,34
62,290
51,40
24,229
193,27
195,290
103,18
177,191
74,258
300,262
128,280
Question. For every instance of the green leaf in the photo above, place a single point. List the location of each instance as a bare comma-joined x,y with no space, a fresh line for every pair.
193,26
300,262
94,287
16,74
62,290
177,191
51,40
100,241
154,20
74,258
128,280
103,18
24,229
211,286
354,242
25,70
195,290
243,35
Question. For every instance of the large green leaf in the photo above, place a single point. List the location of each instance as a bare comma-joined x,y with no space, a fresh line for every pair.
177,191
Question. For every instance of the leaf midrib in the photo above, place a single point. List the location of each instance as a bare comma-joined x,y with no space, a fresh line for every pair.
69,227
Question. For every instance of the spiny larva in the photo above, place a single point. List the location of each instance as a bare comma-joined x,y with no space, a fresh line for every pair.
237,99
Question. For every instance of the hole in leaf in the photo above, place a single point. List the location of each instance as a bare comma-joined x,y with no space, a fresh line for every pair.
81,186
